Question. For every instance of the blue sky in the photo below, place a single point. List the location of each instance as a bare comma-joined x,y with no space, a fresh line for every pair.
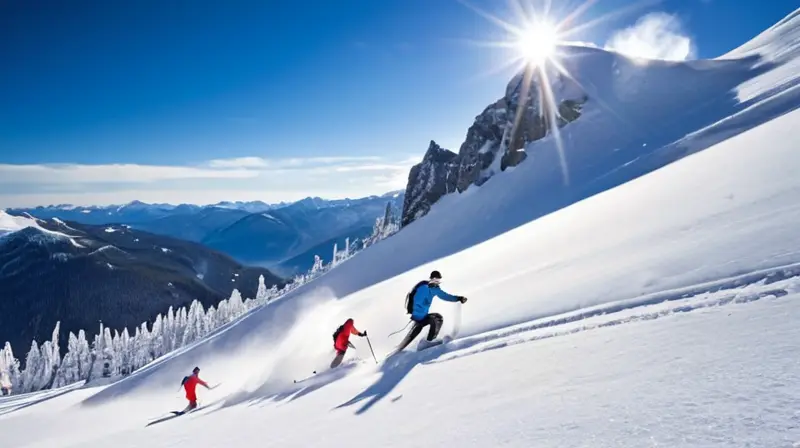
107,102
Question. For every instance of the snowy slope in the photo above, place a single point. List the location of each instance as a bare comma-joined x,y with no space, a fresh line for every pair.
10,223
661,312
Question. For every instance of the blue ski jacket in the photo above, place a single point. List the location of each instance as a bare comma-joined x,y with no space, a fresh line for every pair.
423,298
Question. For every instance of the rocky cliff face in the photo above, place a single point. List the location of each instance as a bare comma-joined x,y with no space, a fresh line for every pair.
428,181
495,141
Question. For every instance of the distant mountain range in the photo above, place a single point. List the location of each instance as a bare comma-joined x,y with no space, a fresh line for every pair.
136,212
278,237
80,274
284,237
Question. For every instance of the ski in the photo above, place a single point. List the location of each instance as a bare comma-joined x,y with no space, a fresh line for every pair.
424,344
175,414
303,379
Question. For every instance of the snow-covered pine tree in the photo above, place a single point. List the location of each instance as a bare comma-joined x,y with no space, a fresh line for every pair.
170,332
223,312
69,370
211,319
108,359
95,360
194,323
83,356
317,268
261,294
33,367
123,348
142,347
157,338
236,305
9,366
181,318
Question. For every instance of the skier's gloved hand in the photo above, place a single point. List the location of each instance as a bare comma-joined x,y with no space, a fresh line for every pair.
462,299
363,333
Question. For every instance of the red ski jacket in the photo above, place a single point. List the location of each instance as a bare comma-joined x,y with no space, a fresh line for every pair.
191,384
344,336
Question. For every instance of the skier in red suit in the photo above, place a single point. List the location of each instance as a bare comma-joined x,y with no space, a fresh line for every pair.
190,383
341,340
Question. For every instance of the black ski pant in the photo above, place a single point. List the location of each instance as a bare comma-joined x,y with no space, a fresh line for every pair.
340,356
434,322
337,360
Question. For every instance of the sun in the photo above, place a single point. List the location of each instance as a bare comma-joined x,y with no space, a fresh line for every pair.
537,42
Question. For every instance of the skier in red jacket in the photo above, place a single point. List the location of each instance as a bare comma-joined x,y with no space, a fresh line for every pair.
190,383
341,340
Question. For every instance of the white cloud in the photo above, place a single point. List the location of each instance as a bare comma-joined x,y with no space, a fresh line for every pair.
265,164
239,162
115,173
657,35
243,178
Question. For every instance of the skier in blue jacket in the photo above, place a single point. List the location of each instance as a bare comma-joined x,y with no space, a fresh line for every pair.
419,303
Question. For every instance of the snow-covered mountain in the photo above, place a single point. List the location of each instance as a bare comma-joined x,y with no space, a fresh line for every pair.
80,274
618,117
250,232
497,139
648,307
9,223
283,235
137,212
131,213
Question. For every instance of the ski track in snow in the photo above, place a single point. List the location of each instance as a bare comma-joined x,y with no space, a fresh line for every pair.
765,284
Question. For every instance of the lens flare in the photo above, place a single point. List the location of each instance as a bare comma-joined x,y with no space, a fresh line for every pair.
537,43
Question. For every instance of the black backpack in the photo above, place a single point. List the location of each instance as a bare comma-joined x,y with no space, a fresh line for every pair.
410,297
185,379
336,333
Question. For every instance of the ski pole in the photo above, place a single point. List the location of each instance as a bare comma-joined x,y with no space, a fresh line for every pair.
457,322
371,351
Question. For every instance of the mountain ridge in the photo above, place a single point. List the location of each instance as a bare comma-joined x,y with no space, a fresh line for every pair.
80,274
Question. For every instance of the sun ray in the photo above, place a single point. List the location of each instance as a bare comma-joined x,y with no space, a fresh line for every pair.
494,19
576,13
606,17
519,63
553,124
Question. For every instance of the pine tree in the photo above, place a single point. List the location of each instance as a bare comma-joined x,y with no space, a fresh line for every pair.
194,323
261,295
33,366
83,356
9,368
236,305
125,353
170,333
108,358
68,371
96,356
157,338
211,319
50,360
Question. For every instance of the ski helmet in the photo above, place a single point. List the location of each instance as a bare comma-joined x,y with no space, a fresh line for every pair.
436,275
196,370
